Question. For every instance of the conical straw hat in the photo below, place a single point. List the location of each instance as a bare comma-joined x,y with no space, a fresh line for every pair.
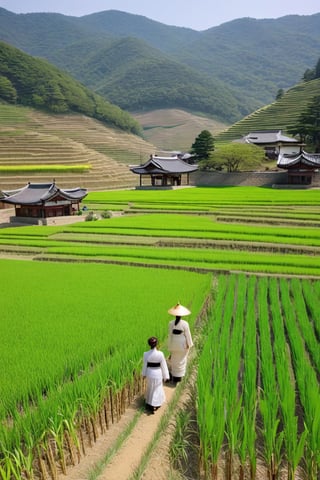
179,311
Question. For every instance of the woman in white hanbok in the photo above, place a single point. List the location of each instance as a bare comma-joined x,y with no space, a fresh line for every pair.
155,370
179,342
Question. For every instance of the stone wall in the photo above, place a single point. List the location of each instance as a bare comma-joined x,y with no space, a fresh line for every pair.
63,220
256,179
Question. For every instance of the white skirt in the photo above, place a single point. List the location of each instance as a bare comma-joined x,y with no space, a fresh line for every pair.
155,395
178,362
179,354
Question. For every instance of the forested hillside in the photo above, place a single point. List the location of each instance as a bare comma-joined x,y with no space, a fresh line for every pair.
239,64
34,82
138,77
257,57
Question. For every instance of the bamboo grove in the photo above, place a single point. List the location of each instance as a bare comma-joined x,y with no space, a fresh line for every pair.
258,390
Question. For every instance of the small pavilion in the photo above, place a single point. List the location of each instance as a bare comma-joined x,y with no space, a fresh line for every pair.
44,200
301,167
164,171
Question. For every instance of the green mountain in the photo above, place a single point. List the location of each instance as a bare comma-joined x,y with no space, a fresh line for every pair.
34,82
39,33
156,34
257,57
138,77
240,64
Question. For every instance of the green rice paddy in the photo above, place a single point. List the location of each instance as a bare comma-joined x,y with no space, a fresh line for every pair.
74,325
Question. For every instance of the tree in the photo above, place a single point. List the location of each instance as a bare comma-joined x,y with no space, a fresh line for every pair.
308,75
312,73
203,145
317,70
280,93
7,90
308,124
234,157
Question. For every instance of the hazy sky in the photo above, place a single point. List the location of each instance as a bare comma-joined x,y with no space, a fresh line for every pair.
196,14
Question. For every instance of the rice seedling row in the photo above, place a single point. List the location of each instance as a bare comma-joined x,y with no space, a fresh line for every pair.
301,254
258,390
211,197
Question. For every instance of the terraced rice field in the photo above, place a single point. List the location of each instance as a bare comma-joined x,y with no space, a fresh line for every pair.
29,137
278,115
228,229
245,260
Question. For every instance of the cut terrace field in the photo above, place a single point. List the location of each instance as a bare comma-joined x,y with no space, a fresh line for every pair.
200,229
74,318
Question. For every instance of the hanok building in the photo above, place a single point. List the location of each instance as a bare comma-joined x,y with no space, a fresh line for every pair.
164,171
302,167
273,142
43,200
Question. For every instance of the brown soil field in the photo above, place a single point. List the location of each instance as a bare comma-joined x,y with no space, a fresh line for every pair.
173,129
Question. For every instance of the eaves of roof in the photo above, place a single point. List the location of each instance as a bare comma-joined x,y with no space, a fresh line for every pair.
304,158
38,194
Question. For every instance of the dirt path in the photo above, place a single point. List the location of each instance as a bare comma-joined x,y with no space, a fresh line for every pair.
128,458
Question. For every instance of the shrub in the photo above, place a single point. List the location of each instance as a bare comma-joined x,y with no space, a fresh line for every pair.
91,217
106,214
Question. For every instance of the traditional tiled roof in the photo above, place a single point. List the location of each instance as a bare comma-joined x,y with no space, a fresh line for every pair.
259,137
168,165
302,158
40,193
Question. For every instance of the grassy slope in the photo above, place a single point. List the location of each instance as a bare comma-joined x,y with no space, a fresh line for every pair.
278,115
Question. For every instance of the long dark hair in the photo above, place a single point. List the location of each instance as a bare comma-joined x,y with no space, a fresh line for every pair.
177,320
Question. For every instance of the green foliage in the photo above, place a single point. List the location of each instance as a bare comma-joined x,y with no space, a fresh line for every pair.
106,214
77,358
280,93
34,82
246,54
234,157
270,355
317,70
203,145
308,124
137,77
91,217
181,442
7,90
312,73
